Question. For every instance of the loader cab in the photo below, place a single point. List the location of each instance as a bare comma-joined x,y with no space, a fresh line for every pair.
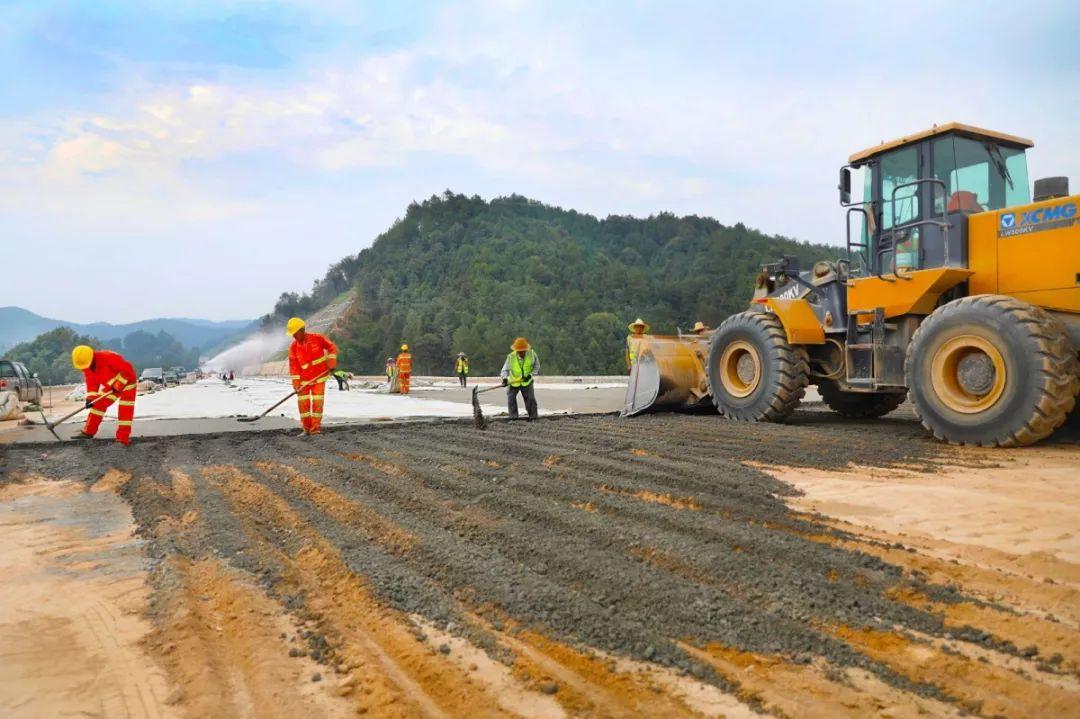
918,191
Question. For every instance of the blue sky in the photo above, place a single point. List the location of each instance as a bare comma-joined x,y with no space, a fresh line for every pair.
199,158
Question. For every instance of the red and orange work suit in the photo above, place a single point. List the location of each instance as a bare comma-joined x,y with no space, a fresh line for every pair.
315,357
404,368
110,374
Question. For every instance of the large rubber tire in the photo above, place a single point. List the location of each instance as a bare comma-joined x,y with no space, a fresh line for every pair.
859,405
1041,372
781,370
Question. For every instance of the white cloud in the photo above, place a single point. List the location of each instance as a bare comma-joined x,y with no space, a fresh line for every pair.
589,109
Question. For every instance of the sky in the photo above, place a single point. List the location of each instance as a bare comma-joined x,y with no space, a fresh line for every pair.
197,158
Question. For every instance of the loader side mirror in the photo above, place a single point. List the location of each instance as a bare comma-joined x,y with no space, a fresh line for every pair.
845,186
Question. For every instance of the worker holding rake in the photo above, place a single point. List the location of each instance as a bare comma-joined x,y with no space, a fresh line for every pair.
109,378
517,376
312,359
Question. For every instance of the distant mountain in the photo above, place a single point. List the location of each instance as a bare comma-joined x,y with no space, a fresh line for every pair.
20,325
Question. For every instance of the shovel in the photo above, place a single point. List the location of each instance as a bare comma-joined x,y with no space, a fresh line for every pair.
283,400
478,416
51,425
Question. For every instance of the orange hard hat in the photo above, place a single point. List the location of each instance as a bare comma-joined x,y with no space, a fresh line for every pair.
520,345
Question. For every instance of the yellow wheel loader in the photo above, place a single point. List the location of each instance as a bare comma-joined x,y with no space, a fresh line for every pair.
961,294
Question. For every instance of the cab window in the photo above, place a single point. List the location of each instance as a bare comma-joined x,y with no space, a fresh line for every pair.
897,169
978,175
7,369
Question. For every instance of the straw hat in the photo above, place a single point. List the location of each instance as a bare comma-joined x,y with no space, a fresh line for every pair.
638,323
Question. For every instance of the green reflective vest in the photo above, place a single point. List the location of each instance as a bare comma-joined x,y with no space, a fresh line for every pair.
631,346
462,366
520,368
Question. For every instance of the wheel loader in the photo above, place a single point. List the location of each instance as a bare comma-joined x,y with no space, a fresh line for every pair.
959,291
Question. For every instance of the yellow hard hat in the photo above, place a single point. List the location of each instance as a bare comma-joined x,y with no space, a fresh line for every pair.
295,325
638,323
404,348
700,326
82,356
520,344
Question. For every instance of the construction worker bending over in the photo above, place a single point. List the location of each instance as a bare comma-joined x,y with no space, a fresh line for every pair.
517,376
109,377
404,368
638,329
461,368
312,359
342,378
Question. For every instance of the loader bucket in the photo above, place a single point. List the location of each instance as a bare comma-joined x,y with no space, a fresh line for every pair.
669,374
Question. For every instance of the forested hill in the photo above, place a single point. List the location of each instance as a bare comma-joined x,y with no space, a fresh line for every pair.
460,274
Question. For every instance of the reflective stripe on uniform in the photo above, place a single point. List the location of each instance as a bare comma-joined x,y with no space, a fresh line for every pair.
119,375
126,403
124,424
295,376
98,412
304,366
320,360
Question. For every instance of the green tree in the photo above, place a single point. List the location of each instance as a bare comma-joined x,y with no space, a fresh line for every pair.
460,274
49,355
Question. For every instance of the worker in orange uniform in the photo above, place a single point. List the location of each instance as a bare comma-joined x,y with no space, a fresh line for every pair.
404,368
109,378
312,359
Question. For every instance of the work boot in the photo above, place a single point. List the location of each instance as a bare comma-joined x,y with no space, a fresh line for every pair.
82,435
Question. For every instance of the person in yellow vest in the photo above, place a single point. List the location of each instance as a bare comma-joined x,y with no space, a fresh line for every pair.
404,368
461,368
700,328
638,329
517,376
391,367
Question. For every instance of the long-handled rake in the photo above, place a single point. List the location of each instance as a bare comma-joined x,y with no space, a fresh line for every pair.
283,399
51,426
477,414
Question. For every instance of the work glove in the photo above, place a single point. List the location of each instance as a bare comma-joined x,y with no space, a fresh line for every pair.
505,382
527,378
89,403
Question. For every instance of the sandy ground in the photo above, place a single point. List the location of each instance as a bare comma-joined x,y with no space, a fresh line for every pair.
662,566
73,598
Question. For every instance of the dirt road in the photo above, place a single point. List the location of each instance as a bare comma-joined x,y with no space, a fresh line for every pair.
592,566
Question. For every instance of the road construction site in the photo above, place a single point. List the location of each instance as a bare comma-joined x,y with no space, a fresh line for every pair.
665,565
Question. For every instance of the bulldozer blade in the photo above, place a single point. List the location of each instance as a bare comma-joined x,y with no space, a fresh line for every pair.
669,374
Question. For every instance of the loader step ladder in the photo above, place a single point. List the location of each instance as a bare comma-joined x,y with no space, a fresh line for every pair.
865,362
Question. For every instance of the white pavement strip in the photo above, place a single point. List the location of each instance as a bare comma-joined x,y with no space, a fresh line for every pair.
249,396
